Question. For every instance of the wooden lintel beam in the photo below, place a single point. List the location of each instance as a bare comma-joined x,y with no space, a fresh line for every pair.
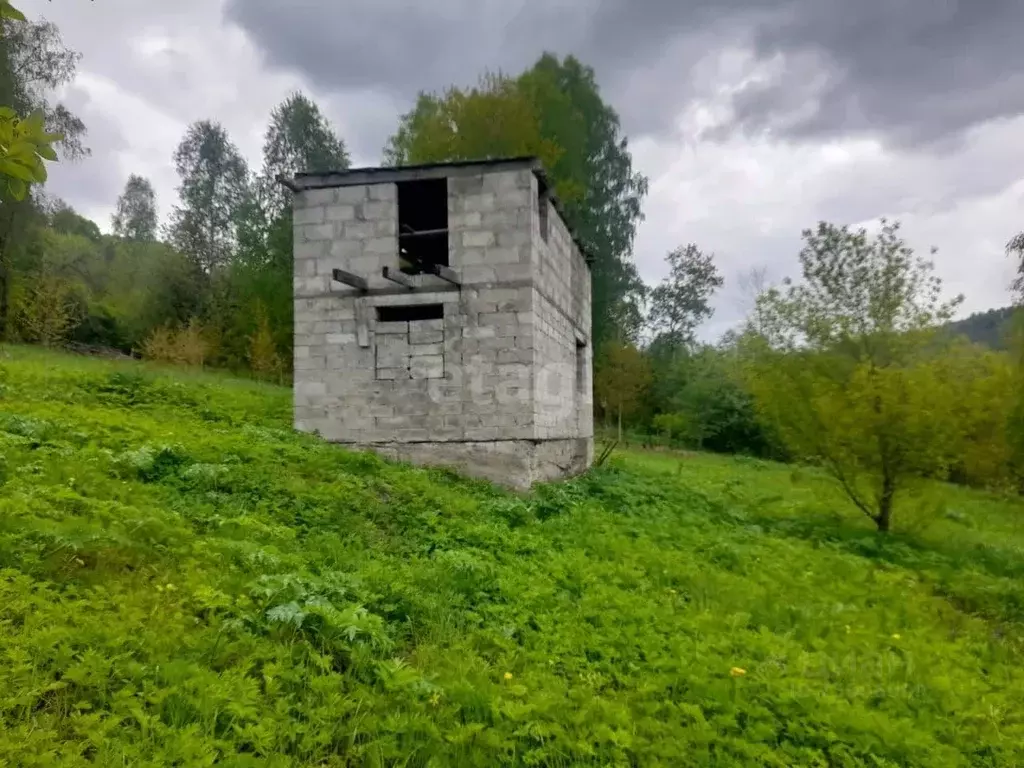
348,278
446,273
396,276
422,233
284,181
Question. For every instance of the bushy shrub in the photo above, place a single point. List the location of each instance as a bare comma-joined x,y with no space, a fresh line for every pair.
47,310
187,346
264,360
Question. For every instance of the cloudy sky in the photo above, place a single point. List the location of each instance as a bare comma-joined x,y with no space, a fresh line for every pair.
753,119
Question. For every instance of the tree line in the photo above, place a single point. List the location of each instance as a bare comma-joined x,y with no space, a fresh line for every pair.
853,366
850,366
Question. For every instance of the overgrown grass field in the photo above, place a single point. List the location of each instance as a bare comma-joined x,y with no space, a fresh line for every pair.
186,582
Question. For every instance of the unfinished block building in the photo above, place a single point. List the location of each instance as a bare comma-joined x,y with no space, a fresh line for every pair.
442,316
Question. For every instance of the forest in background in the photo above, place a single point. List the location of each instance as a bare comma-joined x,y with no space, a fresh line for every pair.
855,365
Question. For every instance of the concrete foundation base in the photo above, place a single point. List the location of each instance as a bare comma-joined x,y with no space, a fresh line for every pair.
513,463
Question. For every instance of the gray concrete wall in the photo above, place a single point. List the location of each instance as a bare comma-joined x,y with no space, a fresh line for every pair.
477,389
563,351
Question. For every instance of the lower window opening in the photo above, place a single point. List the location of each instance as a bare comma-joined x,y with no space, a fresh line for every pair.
410,313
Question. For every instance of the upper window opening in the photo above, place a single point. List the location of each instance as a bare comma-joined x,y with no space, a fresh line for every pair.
581,366
422,224
542,212
410,313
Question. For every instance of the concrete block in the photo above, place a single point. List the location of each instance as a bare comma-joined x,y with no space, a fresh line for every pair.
481,332
482,202
314,197
311,364
311,285
462,187
500,256
421,350
349,195
356,230
478,274
309,389
461,221
393,373
310,233
502,183
381,246
477,239
304,268
340,212
383,192
309,249
498,318
392,359
513,238
417,336
401,328
345,250
379,210
344,313
427,367
314,214
340,338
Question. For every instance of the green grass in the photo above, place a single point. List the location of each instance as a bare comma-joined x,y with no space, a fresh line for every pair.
186,582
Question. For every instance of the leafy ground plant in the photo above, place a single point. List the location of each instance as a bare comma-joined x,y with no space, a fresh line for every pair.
186,582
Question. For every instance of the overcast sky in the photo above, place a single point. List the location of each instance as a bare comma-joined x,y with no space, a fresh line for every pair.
753,119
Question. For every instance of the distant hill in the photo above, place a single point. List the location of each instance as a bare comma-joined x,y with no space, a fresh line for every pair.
988,328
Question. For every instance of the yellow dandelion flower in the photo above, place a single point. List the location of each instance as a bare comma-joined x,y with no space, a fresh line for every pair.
508,675
737,672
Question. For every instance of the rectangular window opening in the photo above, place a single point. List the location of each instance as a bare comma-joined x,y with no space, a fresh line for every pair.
543,203
410,313
581,366
422,225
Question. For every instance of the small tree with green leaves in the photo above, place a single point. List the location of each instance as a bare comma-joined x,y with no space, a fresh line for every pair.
622,377
847,368
264,360
47,311
683,299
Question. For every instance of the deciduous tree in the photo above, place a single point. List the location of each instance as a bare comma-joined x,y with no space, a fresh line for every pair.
554,111
850,374
596,164
135,217
214,187
492,120
33,63
622,377
298,139
47,310
682,301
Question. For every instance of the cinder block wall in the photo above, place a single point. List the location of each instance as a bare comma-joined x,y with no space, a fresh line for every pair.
563,354
499,386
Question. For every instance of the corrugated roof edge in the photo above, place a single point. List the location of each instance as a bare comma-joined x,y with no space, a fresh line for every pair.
354,176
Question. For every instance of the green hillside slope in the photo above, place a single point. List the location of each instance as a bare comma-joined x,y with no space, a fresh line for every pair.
186,582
